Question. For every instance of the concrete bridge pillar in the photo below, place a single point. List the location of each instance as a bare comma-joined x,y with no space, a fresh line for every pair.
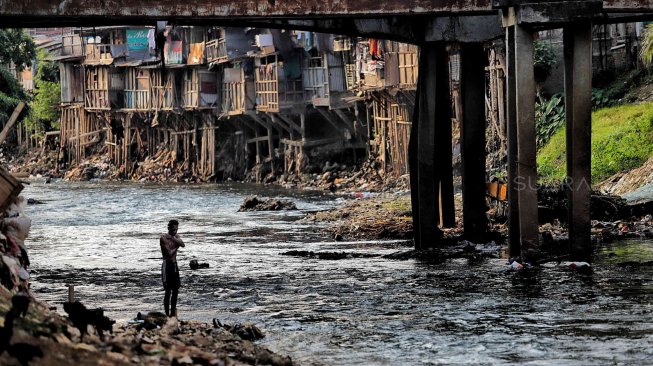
578,106
430,146
514,236
522,173
472,87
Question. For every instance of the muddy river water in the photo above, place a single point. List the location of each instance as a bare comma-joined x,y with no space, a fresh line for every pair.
103,238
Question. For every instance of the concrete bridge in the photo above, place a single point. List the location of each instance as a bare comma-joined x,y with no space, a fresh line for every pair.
432,24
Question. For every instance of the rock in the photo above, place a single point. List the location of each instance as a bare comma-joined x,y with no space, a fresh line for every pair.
253,203
171,326
247,331
186,360
194,265
118,357
85,347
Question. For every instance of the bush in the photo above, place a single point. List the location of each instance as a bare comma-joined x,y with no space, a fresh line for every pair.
44,113
11,93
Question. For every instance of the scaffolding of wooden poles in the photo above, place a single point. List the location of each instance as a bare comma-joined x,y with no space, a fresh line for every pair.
391,129
78,130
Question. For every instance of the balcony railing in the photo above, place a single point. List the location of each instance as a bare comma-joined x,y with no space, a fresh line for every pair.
216,51
100,53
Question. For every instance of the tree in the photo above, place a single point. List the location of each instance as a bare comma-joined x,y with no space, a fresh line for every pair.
18,48
44,111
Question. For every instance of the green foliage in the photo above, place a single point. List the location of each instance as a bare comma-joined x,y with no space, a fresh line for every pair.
602,98
44,114
550,114
17,47
549,117
544,58
46,70
646,51
11,93
622,139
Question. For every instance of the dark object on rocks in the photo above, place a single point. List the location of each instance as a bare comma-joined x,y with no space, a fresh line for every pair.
82,317
32,201
23,352
553,204
337,237
247,331
88,173
253,203
152,319
20,304
194,264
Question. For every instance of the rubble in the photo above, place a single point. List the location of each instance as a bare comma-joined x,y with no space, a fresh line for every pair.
254,203
387,217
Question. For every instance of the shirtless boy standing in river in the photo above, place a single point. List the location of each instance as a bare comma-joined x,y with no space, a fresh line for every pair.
170,243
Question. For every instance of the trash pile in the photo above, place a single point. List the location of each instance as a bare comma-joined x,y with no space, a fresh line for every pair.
35,163
608,231
161,167
14,228
369,177
97,167
379,218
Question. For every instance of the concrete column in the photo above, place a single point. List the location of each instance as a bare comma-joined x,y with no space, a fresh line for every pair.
526,179
472,87
578,105
433,70
444,154
511,128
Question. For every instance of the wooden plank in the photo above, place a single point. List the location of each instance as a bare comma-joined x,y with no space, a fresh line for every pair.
12,120
85,135
257,139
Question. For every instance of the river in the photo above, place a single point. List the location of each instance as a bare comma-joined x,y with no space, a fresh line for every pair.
103,238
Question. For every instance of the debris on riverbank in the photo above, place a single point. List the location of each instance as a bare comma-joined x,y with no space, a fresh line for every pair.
254,203
376,218
148,342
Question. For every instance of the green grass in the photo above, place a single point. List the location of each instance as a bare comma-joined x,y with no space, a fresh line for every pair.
622,139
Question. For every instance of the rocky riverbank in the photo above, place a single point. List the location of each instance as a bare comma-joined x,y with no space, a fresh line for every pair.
43,337
325,175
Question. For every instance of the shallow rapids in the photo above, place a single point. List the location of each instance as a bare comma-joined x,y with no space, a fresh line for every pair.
103,238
